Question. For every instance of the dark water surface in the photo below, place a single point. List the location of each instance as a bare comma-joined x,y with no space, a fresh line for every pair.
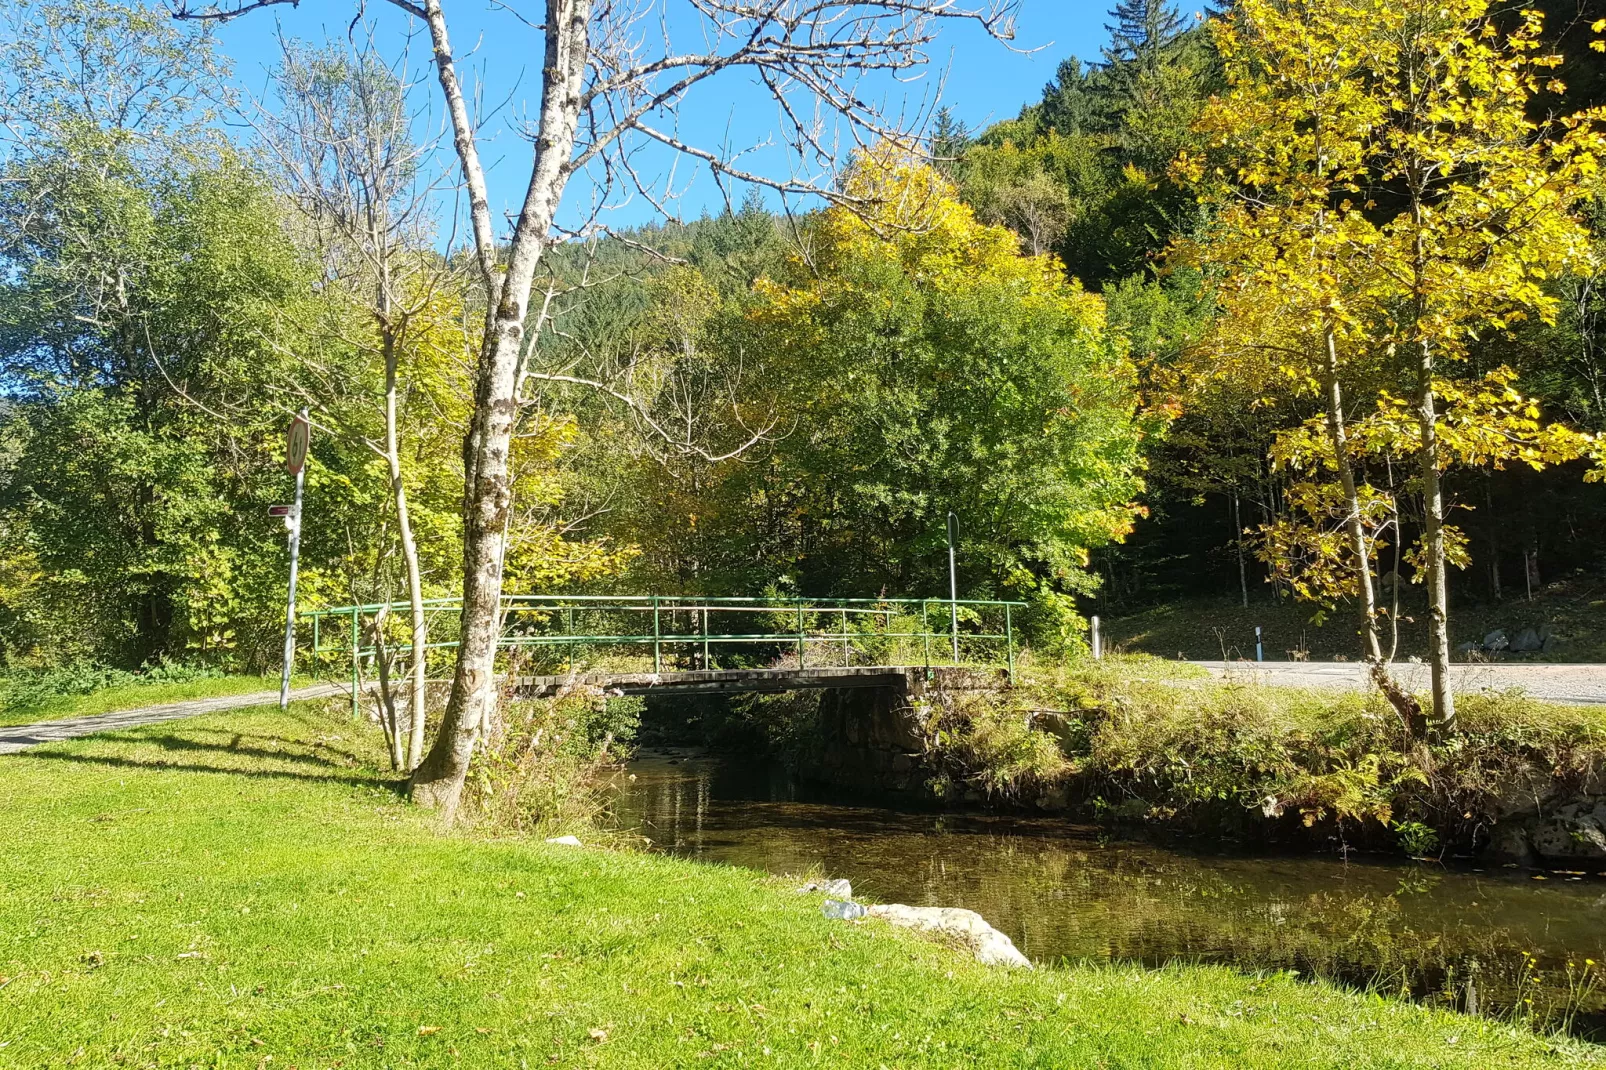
1487,941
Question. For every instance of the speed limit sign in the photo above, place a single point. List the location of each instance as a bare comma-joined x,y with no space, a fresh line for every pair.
295,445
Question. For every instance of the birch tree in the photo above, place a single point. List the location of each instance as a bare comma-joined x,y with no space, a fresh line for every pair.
615,75
342,139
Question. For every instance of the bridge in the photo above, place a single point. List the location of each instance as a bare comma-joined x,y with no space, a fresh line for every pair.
685,644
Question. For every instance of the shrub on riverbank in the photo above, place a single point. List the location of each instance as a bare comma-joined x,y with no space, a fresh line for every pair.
221,890
543,767
1127,740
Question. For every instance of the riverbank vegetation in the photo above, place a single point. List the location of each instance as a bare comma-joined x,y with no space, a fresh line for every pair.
1140,744
331,925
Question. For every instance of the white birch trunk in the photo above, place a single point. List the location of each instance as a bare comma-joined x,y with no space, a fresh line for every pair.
438,781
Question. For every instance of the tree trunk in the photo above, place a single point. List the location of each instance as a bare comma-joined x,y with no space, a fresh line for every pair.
1433,538
1238,541
409,546
1494,540
1339,439
387,697
438,781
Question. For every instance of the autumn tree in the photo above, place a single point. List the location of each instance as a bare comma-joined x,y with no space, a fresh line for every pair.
1288,248
1484,199
1388,202
918,362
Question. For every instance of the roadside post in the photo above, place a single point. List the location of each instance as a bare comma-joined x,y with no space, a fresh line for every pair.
953,583
295,461
1260,654
1097,639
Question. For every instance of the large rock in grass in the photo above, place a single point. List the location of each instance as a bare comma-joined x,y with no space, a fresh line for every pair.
964,927
1527,642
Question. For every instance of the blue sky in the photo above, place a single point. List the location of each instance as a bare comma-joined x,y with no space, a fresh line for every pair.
981,79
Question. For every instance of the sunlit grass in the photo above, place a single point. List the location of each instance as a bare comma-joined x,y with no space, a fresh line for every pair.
216,891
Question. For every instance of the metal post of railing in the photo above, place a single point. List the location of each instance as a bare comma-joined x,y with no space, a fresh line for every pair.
568,630
800,655
355,671
847,659
1009,642
657,636
925,632
706,665
316,617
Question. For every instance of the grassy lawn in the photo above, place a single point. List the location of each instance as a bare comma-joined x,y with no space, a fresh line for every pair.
246,890
134,696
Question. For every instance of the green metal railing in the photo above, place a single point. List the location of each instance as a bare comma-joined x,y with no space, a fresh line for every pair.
687,632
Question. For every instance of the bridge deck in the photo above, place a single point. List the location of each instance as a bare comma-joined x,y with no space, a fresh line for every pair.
722,681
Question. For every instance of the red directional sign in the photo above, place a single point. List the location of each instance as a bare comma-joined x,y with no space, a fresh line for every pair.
281,510
295,445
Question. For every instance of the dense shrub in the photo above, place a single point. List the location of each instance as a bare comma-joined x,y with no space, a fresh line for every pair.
26,689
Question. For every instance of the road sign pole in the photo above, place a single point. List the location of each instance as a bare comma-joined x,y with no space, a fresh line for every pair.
290,608
295,460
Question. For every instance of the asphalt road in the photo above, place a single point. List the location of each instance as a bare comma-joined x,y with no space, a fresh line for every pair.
1577,684
21,737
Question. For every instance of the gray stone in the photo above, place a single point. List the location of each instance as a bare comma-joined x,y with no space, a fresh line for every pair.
1575,832
1527,642
1054,799
1508,845
964,927
1468,648
1572,835
1054,723
565,841
1496,640
838,887
1551,644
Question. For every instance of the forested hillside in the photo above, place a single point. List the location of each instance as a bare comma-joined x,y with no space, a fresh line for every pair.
1062,328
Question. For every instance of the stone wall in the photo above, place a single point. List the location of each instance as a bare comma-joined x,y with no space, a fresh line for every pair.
875,738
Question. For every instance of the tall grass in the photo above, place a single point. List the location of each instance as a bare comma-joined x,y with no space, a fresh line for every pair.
543,767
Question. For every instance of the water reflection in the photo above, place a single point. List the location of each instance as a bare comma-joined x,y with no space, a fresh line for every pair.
1461,938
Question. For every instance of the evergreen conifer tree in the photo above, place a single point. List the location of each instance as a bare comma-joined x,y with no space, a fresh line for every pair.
1141,31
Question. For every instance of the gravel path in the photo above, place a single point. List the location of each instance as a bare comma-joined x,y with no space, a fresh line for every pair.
21,737
1577,684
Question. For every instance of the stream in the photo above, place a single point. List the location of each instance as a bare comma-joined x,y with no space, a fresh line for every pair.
1484,941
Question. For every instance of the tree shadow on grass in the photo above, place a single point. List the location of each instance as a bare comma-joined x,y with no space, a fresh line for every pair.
231,753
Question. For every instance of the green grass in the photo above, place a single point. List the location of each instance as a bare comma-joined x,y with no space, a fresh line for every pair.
134,696
223,890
